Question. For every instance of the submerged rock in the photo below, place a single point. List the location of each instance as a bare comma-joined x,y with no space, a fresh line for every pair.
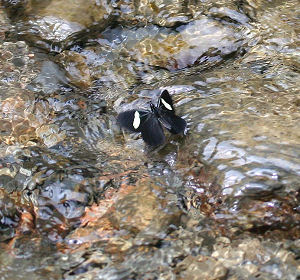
76,68
10,210
57,24
30,252
49,32
147,211
142,212
123,56
20,113
222,202
164,13
189,253
50,134
169,13
200,41
4,25
201,267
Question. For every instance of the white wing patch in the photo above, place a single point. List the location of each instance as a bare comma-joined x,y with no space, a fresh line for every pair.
136,120
168,106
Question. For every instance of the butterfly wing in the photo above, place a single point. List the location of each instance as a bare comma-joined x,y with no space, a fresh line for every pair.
152,132
133,120
145,122
167,117
165,102
173,123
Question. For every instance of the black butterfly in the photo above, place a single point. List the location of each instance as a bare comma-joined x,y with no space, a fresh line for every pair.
149,122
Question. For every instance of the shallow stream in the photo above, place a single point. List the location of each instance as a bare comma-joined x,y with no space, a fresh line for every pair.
81,199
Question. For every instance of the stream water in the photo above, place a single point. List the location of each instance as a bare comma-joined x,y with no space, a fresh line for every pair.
82,199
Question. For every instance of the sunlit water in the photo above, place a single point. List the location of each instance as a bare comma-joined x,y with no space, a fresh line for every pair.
233,76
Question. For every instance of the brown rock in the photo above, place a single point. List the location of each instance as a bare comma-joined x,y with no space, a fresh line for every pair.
76,68
145,210
83,12
197,42
57,24
201,267
50,134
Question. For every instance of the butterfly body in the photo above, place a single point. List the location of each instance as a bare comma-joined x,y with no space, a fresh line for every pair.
149,122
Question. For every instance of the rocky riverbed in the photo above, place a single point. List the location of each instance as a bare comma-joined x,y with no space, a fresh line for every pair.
80,199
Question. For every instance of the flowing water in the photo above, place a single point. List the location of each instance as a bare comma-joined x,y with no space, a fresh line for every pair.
80,199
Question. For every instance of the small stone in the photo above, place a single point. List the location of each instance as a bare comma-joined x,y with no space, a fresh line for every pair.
76,68
201,267
25,172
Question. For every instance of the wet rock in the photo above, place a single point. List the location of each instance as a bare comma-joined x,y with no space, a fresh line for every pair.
123,56
25,119
227,13
199,7
108,68
190,253
15,8
34,253
15,64
241,218
146,211
76,68
252,258
256,148
111,67
132,209
96,225
281,29
259,189
59,23
163,13
49,32
20,119
50,79
254,8
199,41
171,13
201,267
91,267
145,262
59,196
4,25
50,134
9,214
265,217
84,13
